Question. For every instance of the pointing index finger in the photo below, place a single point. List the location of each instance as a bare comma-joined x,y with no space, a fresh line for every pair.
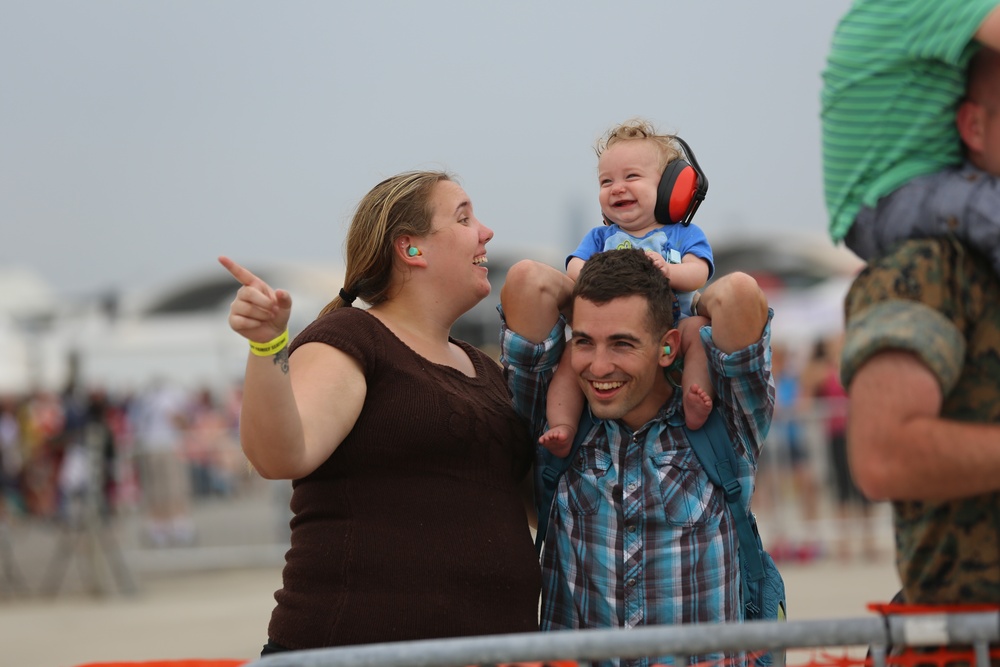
241,274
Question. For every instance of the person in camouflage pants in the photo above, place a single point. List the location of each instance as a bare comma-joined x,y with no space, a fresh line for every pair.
922,365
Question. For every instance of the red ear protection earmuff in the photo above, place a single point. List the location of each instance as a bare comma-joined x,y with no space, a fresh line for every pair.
682,189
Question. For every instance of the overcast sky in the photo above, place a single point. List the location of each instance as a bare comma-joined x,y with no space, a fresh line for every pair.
139,140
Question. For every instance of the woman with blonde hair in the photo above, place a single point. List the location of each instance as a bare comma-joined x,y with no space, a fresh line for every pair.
406,456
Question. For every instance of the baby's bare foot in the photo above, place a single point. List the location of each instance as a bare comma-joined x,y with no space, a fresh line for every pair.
558,439
697,407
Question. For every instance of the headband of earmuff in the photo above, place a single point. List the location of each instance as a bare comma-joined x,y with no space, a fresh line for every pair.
682,189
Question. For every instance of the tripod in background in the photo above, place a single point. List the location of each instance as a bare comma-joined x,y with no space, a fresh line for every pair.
87,531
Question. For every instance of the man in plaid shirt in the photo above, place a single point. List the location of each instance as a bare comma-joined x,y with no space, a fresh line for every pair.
637,534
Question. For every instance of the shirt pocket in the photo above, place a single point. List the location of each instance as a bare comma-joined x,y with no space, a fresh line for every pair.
688,497
585,480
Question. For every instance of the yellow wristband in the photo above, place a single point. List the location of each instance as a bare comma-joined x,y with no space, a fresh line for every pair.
271,347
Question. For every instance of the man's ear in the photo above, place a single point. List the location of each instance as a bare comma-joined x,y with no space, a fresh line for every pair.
670,347
969,121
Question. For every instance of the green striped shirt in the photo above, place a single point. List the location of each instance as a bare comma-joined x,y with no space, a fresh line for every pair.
894,75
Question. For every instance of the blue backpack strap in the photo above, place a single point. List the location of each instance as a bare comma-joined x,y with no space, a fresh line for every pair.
714,449
549,469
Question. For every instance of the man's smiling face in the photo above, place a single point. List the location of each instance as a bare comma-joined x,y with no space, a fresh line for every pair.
618,360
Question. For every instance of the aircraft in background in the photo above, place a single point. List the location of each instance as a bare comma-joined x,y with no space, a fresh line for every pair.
805,278
178,331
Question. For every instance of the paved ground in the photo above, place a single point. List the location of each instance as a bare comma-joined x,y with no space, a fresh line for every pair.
224,614
215,601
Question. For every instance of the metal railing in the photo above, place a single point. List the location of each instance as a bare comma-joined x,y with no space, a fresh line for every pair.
975,629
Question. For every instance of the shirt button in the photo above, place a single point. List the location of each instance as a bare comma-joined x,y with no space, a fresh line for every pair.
631,528
632,486
630,582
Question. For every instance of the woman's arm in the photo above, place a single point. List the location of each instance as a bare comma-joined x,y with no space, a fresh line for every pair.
295,412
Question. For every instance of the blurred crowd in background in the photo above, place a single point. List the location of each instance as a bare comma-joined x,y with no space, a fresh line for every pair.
157,450
161,450
804,483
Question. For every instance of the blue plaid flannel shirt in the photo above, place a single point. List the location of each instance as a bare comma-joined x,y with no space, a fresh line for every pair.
638,535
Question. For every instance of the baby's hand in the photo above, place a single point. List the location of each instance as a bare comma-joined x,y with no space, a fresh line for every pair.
660,263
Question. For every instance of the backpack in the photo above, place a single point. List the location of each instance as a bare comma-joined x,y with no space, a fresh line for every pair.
763,588
763,591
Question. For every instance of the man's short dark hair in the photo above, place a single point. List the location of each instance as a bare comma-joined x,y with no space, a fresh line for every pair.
613,274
